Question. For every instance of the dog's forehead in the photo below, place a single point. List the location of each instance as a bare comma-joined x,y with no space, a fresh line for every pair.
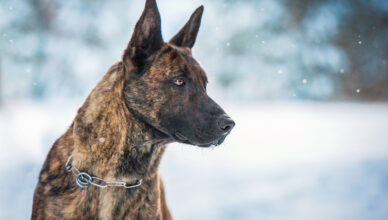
179,60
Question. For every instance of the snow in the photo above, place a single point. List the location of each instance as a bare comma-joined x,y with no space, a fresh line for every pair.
283,160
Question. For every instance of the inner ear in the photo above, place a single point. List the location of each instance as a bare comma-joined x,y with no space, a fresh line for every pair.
146,38
188,34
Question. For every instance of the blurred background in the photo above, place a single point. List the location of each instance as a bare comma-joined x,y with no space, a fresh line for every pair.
305,80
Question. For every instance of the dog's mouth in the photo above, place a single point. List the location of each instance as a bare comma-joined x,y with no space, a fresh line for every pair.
183,139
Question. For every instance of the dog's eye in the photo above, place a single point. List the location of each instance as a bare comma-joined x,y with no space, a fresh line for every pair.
179,81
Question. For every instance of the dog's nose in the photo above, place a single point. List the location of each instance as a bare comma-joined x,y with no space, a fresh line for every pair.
225,123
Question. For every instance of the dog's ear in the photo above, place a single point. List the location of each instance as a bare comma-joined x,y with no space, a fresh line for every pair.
188,34
146,38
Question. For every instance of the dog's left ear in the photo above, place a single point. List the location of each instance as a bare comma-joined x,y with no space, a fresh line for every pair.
188,34
146,38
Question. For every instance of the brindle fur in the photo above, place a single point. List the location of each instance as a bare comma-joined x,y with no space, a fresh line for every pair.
121,130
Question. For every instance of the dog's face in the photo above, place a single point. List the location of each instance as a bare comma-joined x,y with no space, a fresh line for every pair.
166,87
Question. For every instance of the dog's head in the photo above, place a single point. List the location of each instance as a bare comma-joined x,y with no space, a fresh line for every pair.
166,87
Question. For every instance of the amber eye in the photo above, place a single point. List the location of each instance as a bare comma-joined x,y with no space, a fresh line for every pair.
179,82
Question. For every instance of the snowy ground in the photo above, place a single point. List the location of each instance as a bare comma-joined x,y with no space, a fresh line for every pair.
282,161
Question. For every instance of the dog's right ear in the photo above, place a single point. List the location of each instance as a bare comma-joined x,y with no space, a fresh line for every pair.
146,38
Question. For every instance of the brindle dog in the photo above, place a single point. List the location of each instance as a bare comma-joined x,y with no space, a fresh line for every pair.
154,96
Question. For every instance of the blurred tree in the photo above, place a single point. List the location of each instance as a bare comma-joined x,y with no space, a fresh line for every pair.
364,39
40,40
44,16
362,35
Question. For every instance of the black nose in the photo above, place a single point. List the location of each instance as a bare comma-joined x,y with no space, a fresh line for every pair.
225,123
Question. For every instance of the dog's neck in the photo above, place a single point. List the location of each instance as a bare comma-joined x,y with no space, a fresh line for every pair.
142,151
107,134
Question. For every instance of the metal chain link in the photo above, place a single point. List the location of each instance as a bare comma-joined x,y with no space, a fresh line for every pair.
84,180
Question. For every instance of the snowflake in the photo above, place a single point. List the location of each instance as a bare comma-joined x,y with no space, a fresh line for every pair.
304,81
359,42
358,90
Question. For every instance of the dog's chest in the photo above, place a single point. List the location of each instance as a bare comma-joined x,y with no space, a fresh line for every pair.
137,206
120,203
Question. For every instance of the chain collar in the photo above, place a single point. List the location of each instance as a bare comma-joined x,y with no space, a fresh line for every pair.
84,180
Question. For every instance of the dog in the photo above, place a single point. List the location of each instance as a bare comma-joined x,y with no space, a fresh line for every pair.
105,166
